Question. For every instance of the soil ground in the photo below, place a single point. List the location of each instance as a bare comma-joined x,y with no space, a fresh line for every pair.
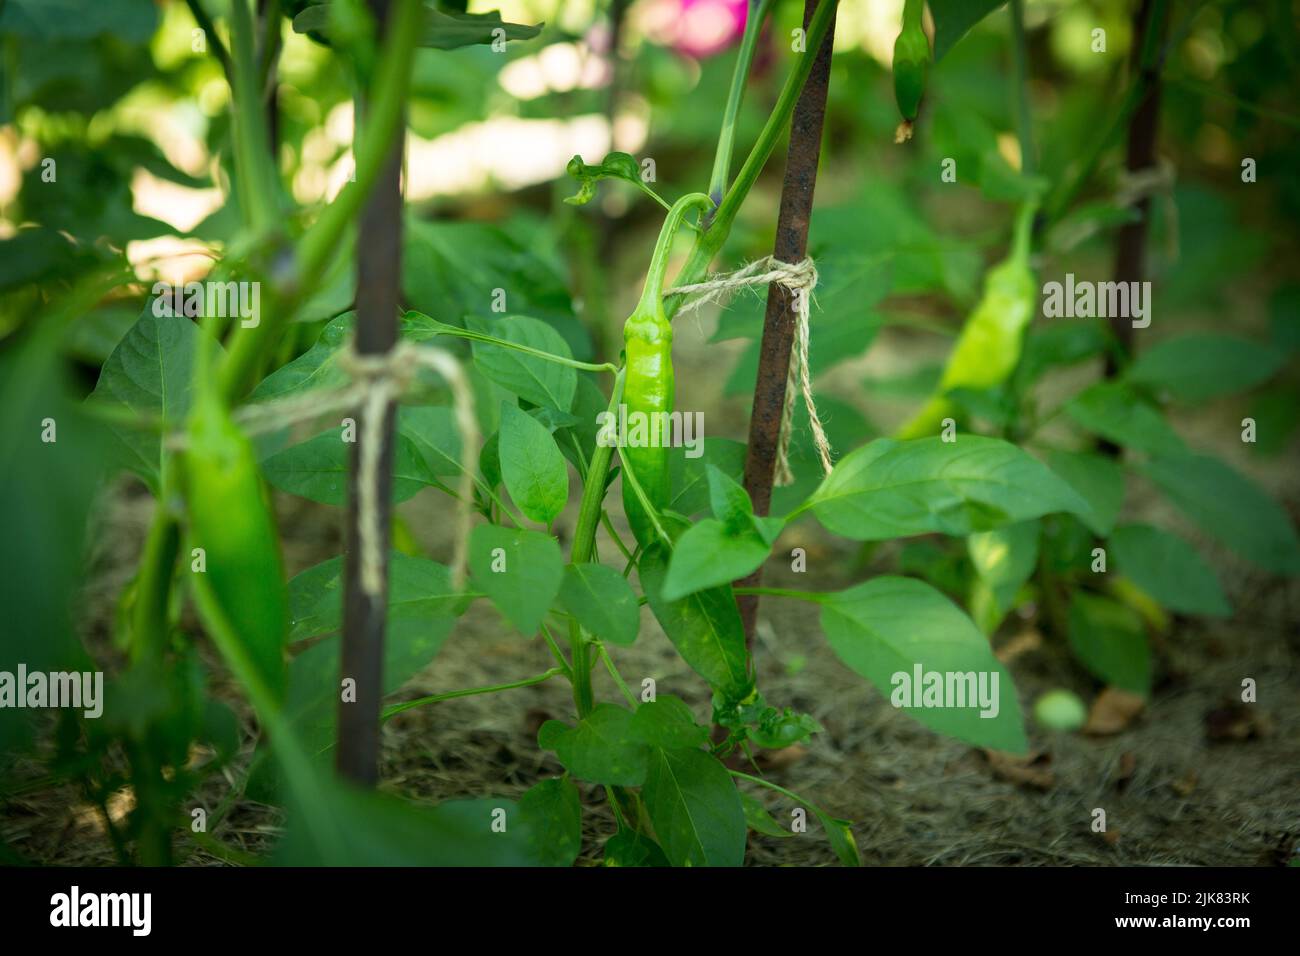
1172,795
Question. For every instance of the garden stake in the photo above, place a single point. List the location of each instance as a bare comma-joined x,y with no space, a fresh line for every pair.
379,256
778,321
1149,25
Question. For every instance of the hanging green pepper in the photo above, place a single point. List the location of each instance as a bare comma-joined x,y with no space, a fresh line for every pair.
911,62
649,387
988,348
230,519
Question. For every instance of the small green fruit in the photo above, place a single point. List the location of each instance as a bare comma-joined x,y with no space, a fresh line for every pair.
1060,710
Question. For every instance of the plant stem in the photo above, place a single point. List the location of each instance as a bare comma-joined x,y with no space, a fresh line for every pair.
613,672
1151,59
710,241
295,279
212,38
814,596
755,16
1020,81
444,329
255,167
395,709
791,246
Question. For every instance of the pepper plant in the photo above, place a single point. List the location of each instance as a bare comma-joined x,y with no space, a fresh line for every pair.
200,411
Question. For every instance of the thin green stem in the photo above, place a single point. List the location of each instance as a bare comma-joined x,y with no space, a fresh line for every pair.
212,38
394,709
556,652
444,329
382,120
658,272
613,672
814,596
593,490
629,475
255,168
1020,83
756,15
709,242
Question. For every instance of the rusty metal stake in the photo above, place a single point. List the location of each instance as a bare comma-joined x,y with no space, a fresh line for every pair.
379,257
778,323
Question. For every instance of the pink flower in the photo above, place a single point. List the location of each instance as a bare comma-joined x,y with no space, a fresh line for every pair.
701,28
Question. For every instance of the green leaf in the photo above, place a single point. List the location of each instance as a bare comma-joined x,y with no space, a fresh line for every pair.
668,723
889,627
422,610
318,468
443,30
1003,560
150,372
1196,368
519,570
368,828
602,601
536,380
1230,507
759,820
689,476
1098,480
839,833
431,429
705,628
1114,411
1065,342
130,20
552,811
600,749
695,809
614,166
708,555
1169,569
630,848
953,19
890,489
532,467
1109,639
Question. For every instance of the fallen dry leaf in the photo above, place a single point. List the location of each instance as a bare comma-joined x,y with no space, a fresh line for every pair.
780,759
1032,770
1022,643
1127,764
1112,711
1236,721
1185,784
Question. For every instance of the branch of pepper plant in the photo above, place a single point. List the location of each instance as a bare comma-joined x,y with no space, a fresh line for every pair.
778,322
708,242
294,267
757,11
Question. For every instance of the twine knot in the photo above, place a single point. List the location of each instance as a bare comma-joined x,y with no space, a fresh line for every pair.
799,279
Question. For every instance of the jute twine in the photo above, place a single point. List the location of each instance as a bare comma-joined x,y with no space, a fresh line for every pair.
375,381
1153,182
800,278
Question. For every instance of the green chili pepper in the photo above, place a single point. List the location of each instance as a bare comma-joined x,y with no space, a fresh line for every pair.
911,61
649,386
230,519
988,348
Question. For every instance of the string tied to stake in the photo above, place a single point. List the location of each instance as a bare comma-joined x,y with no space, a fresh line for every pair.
799,279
